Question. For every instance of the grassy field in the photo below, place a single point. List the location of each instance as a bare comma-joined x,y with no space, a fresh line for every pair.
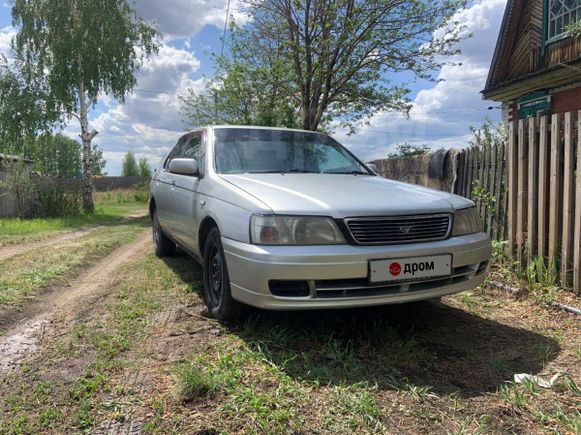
148,359
110,208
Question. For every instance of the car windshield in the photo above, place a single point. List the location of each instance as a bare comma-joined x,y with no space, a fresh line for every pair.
242,150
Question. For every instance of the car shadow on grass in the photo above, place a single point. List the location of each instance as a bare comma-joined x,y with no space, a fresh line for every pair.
429,344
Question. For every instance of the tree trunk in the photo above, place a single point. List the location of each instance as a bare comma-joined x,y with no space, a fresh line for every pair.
86,138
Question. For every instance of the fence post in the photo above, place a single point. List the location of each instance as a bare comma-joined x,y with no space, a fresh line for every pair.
512,188
555,190
568,192
522,192
577,241
544,176
532,194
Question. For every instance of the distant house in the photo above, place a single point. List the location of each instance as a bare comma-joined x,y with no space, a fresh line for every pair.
536,67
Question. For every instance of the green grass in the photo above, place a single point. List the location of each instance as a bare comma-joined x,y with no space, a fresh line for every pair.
110,207
24,275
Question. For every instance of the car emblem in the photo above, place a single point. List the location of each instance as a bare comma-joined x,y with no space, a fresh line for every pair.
405,229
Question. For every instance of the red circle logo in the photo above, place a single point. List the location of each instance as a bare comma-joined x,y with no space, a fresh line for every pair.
394,269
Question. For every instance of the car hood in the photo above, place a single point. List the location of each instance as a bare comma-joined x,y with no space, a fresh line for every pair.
342,196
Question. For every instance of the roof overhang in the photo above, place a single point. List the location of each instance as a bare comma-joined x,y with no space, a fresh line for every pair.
558,75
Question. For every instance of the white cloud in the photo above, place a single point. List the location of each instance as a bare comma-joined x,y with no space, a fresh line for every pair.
6,35
443,113
183,18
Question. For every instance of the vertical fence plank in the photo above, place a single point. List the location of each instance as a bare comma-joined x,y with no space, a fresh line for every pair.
522,193
555,190
544,176
577,236
568,192
532,190
512,187
494,190
462,190
490,173
504,191
470,172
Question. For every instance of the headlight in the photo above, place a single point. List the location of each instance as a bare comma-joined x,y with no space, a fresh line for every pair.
294,230
466,221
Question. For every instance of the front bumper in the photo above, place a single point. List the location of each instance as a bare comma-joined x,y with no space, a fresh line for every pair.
337,274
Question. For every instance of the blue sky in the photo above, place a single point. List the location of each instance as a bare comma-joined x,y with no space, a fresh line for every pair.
149,123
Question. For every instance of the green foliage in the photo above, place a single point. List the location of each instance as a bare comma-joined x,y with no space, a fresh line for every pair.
252,86
144,168
24,110
574,29
98,161
408,150
484,196
194,382
488,134
129,167
57,155
96,45
19,186
314,62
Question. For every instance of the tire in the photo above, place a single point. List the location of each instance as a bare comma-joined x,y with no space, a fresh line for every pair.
162,245
217,293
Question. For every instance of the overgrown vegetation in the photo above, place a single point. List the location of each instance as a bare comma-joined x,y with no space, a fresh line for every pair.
408,150
110,207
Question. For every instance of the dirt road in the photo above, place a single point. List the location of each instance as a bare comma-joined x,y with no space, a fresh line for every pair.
23,331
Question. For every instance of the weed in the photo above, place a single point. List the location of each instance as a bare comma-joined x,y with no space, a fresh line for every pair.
513,395
193,382
421,393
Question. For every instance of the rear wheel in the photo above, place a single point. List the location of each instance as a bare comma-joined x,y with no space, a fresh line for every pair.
162,245
217,293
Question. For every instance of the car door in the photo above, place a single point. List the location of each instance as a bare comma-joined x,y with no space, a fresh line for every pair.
165,189
186,191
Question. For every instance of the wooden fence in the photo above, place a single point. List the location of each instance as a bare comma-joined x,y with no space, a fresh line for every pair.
544,194
481,176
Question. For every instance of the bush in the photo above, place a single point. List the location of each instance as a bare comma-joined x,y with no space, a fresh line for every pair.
53,199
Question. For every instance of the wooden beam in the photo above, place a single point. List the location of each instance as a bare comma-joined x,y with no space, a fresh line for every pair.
544,175
512,188
555,191
577,231
532,191
521,222
568,205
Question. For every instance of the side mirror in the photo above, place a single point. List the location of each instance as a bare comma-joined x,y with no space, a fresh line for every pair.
372,168
184,167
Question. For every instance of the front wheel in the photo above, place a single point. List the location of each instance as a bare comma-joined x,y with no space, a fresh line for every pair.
162,245
217,293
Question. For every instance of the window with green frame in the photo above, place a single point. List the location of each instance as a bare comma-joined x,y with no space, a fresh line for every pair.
558,15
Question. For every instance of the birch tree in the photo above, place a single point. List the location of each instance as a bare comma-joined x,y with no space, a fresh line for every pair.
82,49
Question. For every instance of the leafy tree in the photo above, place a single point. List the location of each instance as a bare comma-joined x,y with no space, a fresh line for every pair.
98,160
144,168
339,57
129,167
80,49
251,87
25,110
488,134
57,155
407,150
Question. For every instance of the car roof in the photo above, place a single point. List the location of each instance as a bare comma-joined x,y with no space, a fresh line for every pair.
252,127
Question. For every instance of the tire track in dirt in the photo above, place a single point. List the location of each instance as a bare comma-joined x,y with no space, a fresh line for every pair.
25,337
23,248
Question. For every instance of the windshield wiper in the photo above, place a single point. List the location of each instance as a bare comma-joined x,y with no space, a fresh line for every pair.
347,172
285,171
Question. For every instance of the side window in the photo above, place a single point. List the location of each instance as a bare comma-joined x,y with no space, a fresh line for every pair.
193,148
177,151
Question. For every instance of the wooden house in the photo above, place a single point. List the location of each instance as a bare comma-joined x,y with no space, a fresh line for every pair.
536,67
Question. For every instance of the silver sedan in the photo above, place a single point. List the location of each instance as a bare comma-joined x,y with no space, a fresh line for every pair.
288,219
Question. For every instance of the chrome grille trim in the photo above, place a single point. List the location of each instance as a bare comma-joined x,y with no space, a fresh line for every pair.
386,230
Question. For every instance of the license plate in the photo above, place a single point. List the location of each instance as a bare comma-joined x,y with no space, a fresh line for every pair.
410,269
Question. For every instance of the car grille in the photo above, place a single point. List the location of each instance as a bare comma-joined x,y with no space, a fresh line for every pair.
399,229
